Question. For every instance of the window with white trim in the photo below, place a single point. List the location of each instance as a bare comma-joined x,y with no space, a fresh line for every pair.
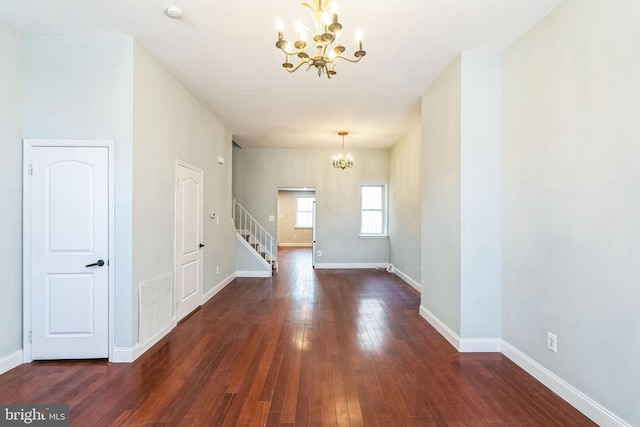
304,211
373,202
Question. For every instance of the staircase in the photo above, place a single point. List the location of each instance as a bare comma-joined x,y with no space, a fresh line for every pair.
262,243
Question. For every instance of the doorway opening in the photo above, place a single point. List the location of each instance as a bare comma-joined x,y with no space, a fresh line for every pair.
296,220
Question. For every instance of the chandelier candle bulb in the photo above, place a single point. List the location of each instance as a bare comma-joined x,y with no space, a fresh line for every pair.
326,34
280,28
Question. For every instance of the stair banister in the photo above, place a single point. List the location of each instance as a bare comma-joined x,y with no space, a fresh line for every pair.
254,233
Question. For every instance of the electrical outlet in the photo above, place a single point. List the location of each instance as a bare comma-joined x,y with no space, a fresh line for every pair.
552,342
319,253
294,236
217,269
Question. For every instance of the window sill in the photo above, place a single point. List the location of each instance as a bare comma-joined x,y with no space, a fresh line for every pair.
302,228
374,236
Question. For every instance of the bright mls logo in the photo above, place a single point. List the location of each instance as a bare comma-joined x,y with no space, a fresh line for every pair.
34,415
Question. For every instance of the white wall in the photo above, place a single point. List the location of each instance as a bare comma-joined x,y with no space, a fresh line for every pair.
10,190
81,87
405,204
571,198
441,121
480,249
461,202
169,124
258,173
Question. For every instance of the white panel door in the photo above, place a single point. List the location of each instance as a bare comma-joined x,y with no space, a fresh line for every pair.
69,224
189,233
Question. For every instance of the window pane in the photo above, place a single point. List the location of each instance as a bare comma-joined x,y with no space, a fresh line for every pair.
305,204
304,211
371,197
304,219
371,222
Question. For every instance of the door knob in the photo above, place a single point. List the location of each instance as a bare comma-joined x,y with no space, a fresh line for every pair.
100,263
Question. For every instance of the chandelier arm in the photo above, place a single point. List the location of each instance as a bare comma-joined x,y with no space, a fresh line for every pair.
301,63
346,58
293,53
324,49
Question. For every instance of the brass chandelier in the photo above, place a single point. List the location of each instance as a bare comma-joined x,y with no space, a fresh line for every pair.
327,39
341,161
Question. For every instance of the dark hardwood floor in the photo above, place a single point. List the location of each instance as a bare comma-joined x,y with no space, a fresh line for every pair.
324,348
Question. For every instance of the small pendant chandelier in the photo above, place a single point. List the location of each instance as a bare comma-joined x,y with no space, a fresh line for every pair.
327,41
341,161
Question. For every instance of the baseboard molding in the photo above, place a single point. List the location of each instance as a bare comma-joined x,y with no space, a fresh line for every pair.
583,403
480,345
217,288
253,273
443,329
463,345
129,354
11,361
295,245
123,354
347,265
415,285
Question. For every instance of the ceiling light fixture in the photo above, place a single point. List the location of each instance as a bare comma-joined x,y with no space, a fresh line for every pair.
327,38
341,161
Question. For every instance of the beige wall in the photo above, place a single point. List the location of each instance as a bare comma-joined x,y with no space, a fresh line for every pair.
288,234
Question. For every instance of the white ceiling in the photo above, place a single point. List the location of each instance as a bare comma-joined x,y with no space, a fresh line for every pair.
224,53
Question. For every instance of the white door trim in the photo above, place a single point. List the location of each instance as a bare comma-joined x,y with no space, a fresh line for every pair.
28,144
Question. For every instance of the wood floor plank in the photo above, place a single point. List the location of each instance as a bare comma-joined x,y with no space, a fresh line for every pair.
304,348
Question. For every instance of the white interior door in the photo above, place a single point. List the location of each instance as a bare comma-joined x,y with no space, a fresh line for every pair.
69,228
189,234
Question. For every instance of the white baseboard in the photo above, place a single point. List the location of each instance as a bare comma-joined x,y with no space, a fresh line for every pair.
129,354
463,345
443,329
480,345
295,245
123,354
415,285
11,361
592,409
346,265
253,273
217,288
583,403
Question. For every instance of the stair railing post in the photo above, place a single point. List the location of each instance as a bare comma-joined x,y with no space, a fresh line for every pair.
233,213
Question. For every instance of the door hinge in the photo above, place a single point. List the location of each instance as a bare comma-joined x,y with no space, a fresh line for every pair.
30,169
30,336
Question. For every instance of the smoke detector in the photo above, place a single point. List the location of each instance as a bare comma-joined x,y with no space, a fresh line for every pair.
174,12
